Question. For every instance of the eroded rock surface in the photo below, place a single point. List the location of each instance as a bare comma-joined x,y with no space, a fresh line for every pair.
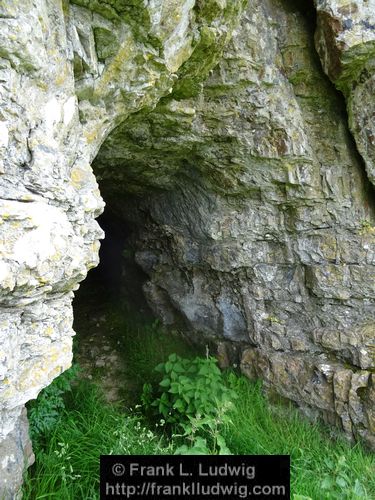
256,218
345,41
69,73
217,133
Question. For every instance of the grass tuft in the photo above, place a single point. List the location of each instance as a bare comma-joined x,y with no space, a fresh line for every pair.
67,454
67,460
260,429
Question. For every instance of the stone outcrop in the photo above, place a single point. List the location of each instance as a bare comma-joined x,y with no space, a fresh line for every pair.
255,216
215,131
345,41
69,74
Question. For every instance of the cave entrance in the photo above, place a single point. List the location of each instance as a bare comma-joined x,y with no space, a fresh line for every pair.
109,311
117,278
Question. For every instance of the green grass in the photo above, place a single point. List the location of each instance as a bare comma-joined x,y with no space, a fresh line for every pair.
67,459
89,426
67,464
145,346
260,429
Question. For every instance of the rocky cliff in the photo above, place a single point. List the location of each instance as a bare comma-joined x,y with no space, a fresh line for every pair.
240,146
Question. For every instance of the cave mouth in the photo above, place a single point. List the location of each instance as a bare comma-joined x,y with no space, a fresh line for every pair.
111,315
118,337
117,282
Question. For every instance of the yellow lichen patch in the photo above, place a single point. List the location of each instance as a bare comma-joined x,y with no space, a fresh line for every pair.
367,228
39,374
31,377
56,256
274,319
49,331
43,25
61,77
56,371
42,85
91,135
9,393
116,66
77,177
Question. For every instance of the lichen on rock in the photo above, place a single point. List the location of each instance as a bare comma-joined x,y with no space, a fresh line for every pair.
255,215
69,74
211,125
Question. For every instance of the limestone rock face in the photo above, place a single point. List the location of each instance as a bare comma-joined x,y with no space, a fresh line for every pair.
211,126
345,41
255,216
16,454
69,74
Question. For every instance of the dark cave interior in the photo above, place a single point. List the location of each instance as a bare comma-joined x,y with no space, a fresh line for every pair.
117,277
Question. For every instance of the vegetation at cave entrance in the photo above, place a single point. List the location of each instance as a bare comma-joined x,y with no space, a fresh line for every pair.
85,426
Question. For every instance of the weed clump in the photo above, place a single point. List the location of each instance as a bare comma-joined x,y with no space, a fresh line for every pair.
193,398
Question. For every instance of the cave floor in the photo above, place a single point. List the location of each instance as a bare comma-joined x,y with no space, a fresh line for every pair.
118,341
102,320
97,346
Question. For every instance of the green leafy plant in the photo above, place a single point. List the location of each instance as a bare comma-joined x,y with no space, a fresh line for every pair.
191,388
338,482
193,397
45,412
